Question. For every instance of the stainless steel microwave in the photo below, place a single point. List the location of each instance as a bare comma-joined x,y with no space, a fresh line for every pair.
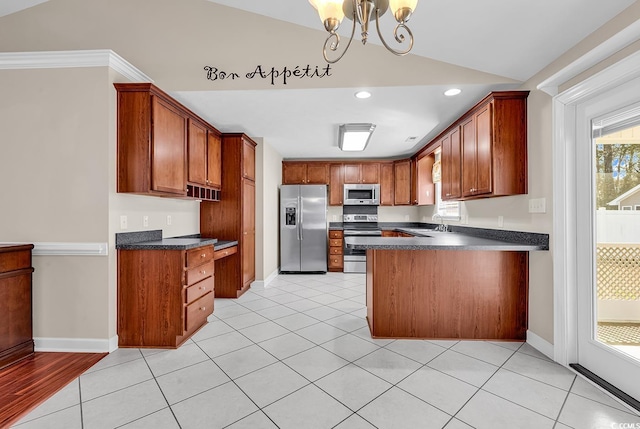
360,195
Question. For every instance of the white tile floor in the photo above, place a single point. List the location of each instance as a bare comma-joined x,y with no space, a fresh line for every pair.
298,354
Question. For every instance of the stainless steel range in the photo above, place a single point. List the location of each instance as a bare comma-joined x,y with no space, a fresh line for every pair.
358,221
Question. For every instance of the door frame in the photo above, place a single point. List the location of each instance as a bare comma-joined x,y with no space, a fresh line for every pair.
565,229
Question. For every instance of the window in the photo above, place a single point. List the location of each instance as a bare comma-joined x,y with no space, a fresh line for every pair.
449,210
626,207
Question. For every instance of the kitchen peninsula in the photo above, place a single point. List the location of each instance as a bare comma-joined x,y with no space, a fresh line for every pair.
470,285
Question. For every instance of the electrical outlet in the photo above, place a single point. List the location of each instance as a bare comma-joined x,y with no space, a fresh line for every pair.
169,219
123,222
500,221
538,205
145,220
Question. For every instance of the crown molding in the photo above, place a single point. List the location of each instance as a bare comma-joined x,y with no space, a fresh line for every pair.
72,59
601,52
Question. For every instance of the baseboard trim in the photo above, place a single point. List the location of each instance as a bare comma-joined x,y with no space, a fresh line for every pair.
76,345
540,344
265,282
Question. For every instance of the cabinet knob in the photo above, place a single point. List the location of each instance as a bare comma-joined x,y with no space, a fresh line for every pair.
226,253
203,308
203,272
204,255
201,288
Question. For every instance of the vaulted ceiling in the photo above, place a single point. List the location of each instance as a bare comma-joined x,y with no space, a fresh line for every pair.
477,46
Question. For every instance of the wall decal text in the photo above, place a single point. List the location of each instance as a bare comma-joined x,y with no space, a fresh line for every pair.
275,75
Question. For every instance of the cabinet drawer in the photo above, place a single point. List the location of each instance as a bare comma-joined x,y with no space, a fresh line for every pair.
194,275
196,313
12,261
335,242
335,234
335,261
335,250
223,253
199,256
199,289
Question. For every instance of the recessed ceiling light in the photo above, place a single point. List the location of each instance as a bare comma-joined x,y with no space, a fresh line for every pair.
451,92
363,94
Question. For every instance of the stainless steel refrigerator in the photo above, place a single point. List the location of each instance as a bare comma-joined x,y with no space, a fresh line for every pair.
303,228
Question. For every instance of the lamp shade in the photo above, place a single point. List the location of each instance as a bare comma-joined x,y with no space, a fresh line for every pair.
328,9
395,5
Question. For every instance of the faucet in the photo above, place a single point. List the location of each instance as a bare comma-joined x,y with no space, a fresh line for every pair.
443,227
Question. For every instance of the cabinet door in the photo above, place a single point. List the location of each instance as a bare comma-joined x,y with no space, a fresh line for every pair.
317,173
386,184
294,173
248,239
451,162
352,173
214,161
169,147
483,151
197,152
248,160
425,187
370,173
402,173
336,184
468,157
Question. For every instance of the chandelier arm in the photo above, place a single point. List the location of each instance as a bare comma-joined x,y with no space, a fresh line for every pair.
400,38
333,46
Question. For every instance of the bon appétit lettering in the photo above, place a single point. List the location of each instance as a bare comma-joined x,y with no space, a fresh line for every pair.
274,75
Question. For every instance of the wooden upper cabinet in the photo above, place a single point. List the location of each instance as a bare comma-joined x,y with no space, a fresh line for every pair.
425,188
451,165
168,148
302,173
336,184
386,184
318,173
402,189
164,149
484,167
362,173
468,156
370,173
214,160
248,159
197,152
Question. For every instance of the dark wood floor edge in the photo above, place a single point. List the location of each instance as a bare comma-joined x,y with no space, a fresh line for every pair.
629,400
8,417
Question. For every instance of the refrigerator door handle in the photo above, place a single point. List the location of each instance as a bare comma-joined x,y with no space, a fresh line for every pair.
301,219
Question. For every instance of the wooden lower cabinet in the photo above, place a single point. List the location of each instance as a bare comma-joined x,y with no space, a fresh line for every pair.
164,296
336,259
447,294
16,332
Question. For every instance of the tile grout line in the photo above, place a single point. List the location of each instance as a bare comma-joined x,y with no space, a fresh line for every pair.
557,420
161,391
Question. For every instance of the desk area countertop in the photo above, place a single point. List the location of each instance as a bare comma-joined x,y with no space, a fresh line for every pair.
152,240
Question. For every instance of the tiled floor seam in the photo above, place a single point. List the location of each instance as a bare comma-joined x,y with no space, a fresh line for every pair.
506,399
162,391
564,403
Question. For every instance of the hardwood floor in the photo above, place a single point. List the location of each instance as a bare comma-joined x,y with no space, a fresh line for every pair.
30,382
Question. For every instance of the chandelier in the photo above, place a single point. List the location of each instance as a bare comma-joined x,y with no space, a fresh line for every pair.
333,11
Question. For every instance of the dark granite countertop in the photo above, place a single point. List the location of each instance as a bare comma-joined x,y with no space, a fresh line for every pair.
152,240
224,244
436,240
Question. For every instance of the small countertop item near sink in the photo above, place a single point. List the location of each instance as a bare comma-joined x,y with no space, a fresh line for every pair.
152,240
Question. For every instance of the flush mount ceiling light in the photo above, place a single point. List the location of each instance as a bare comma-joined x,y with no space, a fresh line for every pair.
362,11
451,92
354,137
363,94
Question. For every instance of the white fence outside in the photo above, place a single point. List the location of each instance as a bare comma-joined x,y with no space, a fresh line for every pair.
619,227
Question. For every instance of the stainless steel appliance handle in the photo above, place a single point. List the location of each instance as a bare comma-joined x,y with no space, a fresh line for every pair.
301,219
298,220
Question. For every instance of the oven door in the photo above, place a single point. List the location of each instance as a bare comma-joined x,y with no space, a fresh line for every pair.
355,260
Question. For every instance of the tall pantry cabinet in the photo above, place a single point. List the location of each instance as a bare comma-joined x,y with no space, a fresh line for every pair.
233,217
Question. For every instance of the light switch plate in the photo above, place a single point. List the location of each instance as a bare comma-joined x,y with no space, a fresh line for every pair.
123,222
538,205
